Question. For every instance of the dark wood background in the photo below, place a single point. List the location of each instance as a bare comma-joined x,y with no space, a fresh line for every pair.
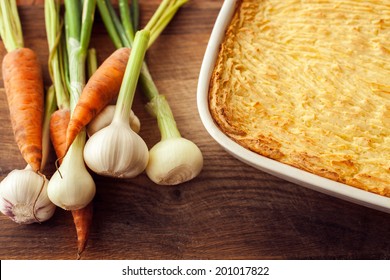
230,211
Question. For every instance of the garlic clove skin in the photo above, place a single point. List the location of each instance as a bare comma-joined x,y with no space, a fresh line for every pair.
18,197
173,161
135,123
104,118
116,151
72,187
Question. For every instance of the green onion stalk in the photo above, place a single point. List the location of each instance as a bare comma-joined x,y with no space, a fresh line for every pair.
174,159
10,26
56,62
23,193
71,186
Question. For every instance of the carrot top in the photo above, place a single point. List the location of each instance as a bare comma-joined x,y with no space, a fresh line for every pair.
10,27
57,55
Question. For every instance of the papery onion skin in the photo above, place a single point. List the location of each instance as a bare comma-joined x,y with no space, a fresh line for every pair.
104,118
72,187
174,161
116,151
24,199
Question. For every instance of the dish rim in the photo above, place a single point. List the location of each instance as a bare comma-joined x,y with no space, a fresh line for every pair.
273,167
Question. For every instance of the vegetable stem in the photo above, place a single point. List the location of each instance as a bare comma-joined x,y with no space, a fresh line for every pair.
121,31
92,63
87,23
108,22
64,65
54,31
52,21
115,30
126,19
76,74
73,16
149,87
78,145
165,120
164,20
157,14
130,78
134,12
10,27
79,33
50,107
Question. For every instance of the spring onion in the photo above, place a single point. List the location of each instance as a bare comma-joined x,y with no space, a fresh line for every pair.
71,186
117,150
174,159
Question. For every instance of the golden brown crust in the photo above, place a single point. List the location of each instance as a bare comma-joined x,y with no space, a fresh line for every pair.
307,84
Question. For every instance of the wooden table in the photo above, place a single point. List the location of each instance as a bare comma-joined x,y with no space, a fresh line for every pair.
230,211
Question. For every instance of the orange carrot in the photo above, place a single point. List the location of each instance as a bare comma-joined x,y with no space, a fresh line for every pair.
100,89
58,124
23,84
82,218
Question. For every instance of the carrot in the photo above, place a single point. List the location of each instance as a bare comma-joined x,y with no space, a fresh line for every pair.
58,124
100,89
82,219
23,84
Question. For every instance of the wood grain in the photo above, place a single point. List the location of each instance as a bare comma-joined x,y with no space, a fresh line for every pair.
230,211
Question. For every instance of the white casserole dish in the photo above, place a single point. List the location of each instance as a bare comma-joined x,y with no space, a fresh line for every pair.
265,164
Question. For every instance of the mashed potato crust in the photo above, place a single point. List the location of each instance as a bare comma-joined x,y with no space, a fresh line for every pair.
307,83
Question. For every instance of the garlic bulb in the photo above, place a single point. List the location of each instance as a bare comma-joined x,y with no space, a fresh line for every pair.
116,151
71,187
173,161
104,118
23,197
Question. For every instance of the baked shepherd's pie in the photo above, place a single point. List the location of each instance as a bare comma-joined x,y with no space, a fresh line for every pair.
307,83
